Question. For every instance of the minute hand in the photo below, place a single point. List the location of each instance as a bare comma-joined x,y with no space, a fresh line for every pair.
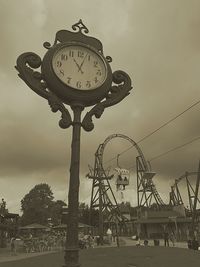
79,67
83,61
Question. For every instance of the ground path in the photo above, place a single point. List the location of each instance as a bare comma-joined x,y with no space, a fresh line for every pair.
125,256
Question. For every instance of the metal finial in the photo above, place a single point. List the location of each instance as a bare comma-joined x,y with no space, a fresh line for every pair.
79,26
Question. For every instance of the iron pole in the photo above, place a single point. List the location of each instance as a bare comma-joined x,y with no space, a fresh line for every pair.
72,250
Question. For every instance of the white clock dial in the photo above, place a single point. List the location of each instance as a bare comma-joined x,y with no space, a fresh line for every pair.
79,67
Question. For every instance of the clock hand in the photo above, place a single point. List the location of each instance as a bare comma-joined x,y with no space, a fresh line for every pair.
79,67
83,62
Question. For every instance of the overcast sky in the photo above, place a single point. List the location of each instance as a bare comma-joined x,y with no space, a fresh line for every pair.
156,42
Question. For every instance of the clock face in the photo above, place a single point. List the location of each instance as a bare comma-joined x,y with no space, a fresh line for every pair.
79,67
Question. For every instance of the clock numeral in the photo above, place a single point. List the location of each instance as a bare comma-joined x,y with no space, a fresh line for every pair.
88,84
99,72
69,80
78,84
80,54
62,72
58,64
96,80
71,53
88,57
95,64
64,57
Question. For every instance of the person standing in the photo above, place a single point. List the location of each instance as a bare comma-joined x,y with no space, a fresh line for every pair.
109,235
172,238
166,239
114,235
12,246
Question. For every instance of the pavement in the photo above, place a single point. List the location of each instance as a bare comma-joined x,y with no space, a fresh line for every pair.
130,242
6,256
125,256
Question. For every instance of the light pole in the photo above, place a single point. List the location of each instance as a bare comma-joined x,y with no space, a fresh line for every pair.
75,72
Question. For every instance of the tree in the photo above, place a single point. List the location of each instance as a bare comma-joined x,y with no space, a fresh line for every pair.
84,213
3,209
57,212
88,216
37,205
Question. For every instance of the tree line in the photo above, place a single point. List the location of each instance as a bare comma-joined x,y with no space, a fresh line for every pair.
39,206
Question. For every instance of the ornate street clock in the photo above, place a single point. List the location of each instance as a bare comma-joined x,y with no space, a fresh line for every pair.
74,71
80,67
75,68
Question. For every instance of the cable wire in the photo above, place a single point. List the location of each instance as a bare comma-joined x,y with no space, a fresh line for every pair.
166,123
163,125
175,148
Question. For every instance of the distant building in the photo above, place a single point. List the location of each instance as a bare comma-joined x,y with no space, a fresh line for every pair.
153,223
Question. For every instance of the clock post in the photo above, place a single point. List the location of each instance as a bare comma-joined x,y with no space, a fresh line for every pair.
74,72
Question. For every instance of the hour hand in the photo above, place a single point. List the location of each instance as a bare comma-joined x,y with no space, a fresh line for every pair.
79,67
83,61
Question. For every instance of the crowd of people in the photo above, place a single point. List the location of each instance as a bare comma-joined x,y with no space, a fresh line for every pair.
90,241
55,240
38,243
41,241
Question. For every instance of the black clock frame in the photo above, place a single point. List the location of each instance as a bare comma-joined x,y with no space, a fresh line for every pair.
70,95
94,51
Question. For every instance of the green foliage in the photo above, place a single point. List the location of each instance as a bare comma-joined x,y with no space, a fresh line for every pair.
3,209
88,216
56,212
84,213
37,205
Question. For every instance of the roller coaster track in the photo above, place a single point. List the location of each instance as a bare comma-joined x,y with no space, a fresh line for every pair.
146,168
175,195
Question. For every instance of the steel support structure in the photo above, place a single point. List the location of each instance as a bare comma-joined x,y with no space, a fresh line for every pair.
102,197
195,215
146,190
193,197
175,195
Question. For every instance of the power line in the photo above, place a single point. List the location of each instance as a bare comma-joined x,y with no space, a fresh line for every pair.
163,125
173,149
166,123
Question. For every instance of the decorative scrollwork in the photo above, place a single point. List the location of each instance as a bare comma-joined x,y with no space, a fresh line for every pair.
33,79
56,104
109,59
47,45
79,26
115,95
87,122
118,93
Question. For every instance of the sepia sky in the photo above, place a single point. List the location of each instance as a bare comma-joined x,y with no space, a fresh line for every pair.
156,42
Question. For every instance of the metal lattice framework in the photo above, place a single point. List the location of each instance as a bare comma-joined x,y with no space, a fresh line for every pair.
146,189
193,196
106,203
175,195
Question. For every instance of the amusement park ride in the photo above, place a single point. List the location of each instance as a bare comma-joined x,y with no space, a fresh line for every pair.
193,196
103,197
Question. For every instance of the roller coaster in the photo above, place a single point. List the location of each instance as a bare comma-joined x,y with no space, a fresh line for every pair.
175,197
103,197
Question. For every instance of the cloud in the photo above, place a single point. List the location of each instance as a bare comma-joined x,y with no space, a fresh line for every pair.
155,42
